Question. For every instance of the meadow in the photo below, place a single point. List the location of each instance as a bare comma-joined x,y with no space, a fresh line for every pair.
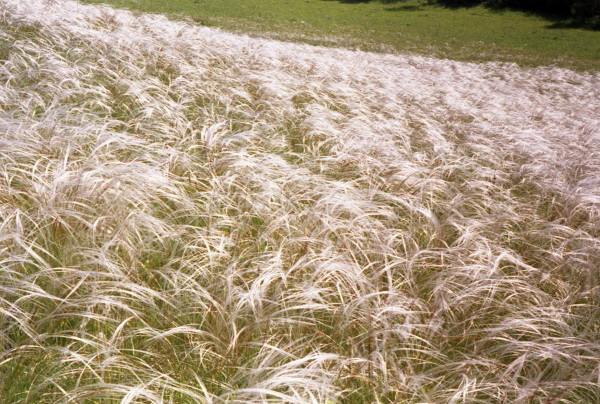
468,33
194,216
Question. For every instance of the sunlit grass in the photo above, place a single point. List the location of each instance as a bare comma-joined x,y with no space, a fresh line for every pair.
417,26
192,216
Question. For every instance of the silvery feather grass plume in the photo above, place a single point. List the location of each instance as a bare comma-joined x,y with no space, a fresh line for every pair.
192,216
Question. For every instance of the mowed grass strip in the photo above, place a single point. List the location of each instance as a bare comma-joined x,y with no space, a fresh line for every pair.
471,34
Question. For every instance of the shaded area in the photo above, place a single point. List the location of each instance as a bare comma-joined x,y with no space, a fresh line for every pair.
562,13
563,7
565,13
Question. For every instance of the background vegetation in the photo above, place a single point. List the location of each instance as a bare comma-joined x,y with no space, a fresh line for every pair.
474,33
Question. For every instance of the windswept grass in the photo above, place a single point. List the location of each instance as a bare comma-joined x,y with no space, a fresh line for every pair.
193,216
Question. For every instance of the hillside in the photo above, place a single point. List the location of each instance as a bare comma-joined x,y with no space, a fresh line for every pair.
189,215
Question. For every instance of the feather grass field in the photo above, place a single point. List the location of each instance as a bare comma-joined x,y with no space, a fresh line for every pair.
188,215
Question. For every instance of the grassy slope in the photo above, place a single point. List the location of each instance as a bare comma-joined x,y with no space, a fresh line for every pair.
465,34
188,216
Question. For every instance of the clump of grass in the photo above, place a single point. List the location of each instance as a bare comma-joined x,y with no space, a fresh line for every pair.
192,216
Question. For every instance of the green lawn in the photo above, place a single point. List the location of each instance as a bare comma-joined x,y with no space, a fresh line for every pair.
475,33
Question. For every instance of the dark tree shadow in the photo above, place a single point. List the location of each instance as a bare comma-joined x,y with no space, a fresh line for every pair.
557,18
406,7
590,24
